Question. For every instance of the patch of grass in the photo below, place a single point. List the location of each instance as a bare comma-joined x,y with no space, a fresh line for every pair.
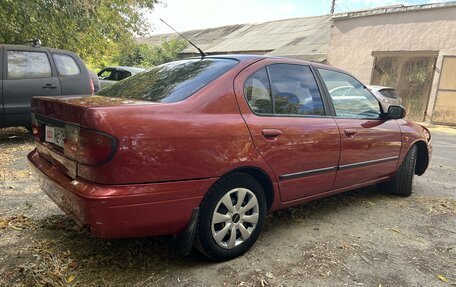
436,205
12,132
14,145
53,267
16,222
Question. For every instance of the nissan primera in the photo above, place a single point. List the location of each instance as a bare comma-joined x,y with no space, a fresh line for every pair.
204,148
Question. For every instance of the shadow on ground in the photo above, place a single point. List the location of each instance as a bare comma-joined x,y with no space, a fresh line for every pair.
64,253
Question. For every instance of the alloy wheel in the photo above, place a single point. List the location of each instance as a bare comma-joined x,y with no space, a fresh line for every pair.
235,217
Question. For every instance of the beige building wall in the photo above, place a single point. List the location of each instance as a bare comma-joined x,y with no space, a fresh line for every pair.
354,39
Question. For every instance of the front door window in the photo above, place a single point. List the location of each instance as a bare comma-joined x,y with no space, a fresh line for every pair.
350,98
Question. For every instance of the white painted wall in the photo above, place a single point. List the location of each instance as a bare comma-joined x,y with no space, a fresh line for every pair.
354,39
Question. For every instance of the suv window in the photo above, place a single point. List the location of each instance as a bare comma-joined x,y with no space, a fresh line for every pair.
258,92
295,90
27,65
171,82
350,98
66,65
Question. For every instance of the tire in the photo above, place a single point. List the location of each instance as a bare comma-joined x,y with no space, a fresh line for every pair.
401,183
218,220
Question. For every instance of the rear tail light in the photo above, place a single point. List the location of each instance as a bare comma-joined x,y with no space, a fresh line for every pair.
70,144
87,146
95,148
37,129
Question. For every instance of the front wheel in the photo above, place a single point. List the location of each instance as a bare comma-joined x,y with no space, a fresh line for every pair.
401,183
231,217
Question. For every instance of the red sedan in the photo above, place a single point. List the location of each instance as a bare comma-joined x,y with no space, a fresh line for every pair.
204,148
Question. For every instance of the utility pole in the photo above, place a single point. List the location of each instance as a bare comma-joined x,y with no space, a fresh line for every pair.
333,3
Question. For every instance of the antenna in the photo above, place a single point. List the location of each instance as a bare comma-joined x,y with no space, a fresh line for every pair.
199,50
333,3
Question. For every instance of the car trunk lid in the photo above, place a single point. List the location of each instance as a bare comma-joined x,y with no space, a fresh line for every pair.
71,109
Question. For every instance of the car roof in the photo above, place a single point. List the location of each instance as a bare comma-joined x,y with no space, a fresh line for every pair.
37,48
126,68
249,57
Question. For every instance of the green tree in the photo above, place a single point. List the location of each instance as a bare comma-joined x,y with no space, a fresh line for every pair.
166,52
91,28
134,54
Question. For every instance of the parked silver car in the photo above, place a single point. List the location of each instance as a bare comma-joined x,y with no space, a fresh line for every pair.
112,74
386,95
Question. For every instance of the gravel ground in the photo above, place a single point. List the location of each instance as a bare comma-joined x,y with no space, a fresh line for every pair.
359,238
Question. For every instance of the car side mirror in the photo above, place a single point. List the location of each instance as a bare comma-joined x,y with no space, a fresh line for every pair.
395,112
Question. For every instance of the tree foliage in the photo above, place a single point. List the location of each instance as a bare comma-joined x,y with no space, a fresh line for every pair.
92,28
144,55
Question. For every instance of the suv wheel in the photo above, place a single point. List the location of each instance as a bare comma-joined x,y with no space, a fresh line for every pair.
231,217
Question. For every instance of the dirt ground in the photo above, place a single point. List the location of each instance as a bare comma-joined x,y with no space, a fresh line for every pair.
359,238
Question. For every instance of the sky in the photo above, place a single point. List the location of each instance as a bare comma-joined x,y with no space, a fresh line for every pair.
186,15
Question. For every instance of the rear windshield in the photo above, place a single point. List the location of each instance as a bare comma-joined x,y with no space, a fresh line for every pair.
389,93
171,82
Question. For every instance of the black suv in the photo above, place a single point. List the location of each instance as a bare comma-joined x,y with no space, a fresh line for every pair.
27,71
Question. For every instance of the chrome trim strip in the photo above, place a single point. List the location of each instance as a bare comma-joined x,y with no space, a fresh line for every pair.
307,172
368,162
333,168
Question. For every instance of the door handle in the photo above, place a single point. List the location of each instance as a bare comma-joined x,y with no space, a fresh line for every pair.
350,132
49,86
271,134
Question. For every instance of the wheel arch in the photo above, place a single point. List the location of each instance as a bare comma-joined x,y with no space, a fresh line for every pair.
422,157
262,177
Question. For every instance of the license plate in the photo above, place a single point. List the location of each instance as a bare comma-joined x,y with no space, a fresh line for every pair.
55,135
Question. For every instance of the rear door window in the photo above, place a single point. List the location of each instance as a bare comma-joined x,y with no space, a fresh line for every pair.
66,65
284,89
171,82
295,90
258,92
28,65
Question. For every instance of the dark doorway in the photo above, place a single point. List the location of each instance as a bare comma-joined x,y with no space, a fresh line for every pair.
410,73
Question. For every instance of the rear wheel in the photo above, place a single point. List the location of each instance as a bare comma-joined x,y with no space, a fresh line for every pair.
231,217
401,183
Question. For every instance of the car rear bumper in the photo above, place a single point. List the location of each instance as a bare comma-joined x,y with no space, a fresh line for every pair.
115,211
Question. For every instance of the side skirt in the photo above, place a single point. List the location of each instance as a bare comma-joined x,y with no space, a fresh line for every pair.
328,193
